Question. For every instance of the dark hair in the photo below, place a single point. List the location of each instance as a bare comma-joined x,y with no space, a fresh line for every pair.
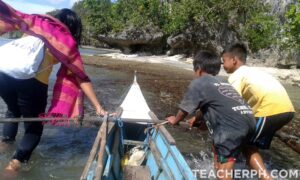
208,62
239,50
72,21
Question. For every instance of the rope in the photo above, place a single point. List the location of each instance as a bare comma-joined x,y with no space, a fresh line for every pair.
148,136
120,124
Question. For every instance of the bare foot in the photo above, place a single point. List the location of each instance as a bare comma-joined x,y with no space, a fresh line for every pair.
13,165
11,170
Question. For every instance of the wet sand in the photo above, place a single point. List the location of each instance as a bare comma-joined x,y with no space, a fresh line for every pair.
166,81
169,81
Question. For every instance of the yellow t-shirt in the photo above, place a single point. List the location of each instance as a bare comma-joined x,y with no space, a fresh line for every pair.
45,68
262,92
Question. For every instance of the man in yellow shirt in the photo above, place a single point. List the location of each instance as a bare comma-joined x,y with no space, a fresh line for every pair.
269,100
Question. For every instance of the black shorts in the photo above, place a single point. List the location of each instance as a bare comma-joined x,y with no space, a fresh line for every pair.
266,128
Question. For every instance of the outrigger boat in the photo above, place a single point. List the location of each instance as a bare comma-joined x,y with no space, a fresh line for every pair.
123,151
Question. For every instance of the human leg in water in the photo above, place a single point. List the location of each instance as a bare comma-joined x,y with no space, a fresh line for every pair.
32,100
9,95
255,161
224,170
224,164
9,133
31,138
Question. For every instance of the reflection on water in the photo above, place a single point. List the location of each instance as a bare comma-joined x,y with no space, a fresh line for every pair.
63,151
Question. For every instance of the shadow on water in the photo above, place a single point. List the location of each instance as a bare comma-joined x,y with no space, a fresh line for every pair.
63,151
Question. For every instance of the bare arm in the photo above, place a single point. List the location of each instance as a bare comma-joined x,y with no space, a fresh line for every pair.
179,117
88,90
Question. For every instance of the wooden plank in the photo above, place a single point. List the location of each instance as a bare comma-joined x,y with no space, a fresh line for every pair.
161,145
153,116
163,130
105,129
156,153
162,165
135,143
166,171
99,168
110,127
91,156
167,135
173,167
108,165
181,163
136,173
154,169
116,155
119,112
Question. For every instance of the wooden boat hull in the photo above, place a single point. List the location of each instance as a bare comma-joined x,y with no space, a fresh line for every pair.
162,160
156,155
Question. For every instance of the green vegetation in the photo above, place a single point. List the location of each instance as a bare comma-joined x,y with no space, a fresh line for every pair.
260,31
292,27
250,19
98,15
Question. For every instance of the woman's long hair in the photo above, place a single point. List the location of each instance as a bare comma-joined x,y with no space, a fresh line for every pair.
72,21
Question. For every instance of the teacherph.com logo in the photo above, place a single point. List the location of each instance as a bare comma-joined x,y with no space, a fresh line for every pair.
246,174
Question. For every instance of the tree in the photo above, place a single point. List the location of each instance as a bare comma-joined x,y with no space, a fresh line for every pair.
98,13
292,26
249,18
261,31
82,12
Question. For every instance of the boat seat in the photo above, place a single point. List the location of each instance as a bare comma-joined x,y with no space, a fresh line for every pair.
136,173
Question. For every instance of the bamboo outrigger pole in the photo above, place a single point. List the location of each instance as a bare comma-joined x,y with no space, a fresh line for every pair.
89,119
99,167
98,145
290,142
91,156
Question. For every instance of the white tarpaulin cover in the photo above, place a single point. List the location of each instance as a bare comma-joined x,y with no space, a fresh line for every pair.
134,105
